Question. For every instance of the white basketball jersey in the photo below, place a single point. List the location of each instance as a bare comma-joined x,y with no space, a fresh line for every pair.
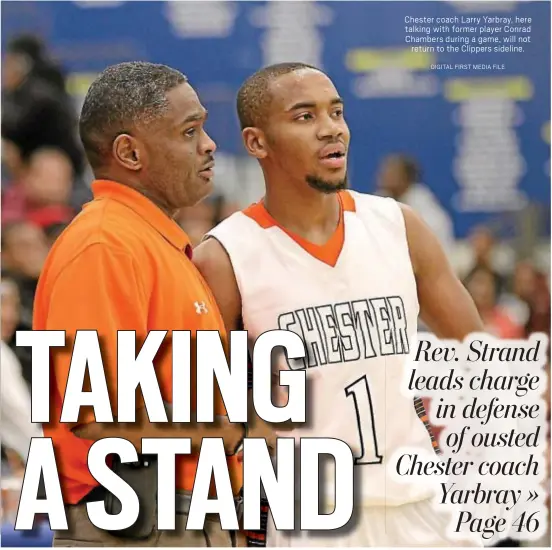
357,319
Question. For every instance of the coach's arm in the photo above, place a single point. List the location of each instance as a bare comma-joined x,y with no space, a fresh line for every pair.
445,305
143,428
114,299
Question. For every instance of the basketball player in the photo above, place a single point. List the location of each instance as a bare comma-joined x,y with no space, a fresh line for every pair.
349,273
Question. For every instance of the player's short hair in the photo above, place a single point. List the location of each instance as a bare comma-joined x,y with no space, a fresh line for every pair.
123,96
254,96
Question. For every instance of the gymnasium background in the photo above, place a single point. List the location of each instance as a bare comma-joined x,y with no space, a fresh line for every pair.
480,139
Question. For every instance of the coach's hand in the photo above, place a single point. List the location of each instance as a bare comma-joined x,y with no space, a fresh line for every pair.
261,429
231,433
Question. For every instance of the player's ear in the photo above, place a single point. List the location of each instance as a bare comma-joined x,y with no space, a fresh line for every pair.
127,152
255,142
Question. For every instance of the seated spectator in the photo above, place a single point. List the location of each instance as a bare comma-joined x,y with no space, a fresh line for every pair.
524,280
42,66
400,177
483,250
48,184
16,429
35,113
12,163
24,251
539,307
42,192
528,303
482,287
15,402
10,311
517,301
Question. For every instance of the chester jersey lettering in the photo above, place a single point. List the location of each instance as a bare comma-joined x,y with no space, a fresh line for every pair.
356,310
344,332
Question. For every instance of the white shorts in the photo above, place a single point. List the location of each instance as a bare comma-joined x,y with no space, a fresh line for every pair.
417,524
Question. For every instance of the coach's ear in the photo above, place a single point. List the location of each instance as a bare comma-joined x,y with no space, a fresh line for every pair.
255,142
127,151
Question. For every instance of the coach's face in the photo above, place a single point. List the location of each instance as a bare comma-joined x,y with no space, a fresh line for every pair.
306,130
179,154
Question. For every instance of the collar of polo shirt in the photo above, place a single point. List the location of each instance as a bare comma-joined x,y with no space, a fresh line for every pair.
146,209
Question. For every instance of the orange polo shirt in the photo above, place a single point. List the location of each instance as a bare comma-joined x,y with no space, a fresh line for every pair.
122,264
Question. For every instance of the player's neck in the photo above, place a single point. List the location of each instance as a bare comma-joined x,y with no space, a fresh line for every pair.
306,212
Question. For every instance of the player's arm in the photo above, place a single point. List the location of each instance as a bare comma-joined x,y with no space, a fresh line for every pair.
102,290
214,264
445,305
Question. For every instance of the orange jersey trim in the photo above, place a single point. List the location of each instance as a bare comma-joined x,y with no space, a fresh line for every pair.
328,252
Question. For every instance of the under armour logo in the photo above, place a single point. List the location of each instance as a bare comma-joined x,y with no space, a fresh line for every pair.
201,308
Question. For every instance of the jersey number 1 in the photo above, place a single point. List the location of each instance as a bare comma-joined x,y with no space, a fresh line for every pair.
360,391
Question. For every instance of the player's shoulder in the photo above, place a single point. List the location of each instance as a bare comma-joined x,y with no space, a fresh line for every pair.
253,215
375,207
242,226
234,236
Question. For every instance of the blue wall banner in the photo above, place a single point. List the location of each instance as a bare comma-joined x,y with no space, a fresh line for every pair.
481,135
